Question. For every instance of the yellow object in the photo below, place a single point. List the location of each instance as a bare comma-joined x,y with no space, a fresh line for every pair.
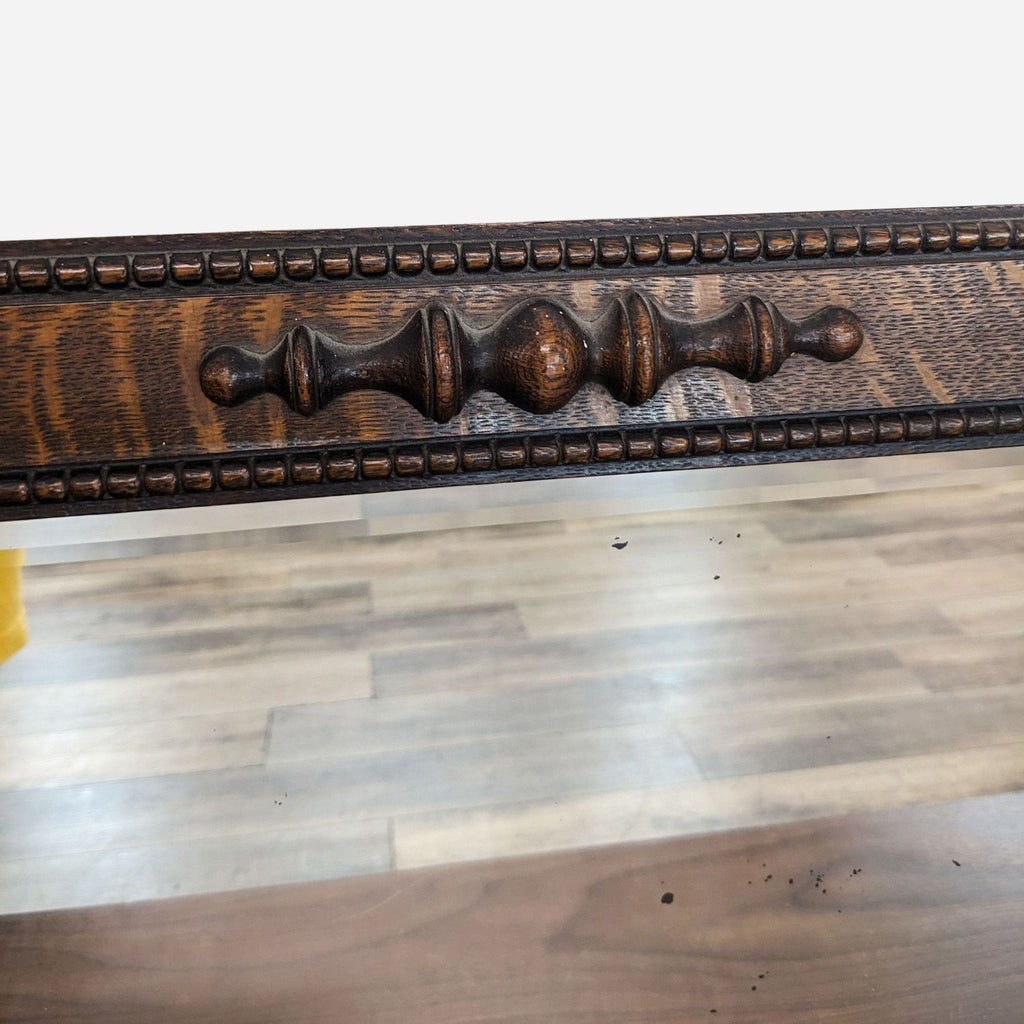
13,625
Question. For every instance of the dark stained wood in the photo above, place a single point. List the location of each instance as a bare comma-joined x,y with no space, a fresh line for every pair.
914,916
537,356
101,341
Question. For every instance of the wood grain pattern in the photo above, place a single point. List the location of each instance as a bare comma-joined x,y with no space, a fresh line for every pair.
962,328
505,690
195,743
913,916
537,356
57,490
937,293
686,808
276,258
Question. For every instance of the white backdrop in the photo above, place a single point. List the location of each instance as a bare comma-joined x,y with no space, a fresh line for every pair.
131,118
124,118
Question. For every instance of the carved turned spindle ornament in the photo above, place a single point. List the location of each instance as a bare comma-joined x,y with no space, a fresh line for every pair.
537,356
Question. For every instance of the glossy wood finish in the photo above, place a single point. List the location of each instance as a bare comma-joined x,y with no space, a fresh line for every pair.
101,342
537,356
912,916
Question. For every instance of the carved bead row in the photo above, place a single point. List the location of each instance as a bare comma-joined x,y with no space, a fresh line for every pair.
442,458
304,264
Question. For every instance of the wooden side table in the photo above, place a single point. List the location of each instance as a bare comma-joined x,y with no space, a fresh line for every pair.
171,371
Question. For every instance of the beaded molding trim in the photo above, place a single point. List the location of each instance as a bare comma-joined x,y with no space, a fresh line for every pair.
265,266
376,463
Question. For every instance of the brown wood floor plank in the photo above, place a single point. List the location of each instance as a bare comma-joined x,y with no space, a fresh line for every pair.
912,916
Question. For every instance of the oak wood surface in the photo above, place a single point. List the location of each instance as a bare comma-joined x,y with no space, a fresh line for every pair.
536,357
933,335
102,352
912,916
639,226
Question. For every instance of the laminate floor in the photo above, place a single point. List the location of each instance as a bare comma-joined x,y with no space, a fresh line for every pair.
909,916
231,718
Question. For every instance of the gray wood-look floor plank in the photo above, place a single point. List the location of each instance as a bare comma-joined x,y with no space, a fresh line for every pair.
742,741
201,647
707,805
191,866
504,662
956,661
260,681
411,722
